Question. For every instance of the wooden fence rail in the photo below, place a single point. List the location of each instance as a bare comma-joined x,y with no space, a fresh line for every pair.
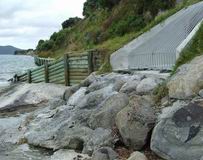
69,70
41,61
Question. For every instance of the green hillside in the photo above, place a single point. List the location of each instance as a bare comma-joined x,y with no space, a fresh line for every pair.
108,25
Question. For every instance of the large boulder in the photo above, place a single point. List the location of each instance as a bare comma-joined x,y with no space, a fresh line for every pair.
178,135
147,85
59,128
105,116
129,87
77,96
94,99
99,138
66,127
137,156
188,80
70,91
105,153
30,95
135,122
69,155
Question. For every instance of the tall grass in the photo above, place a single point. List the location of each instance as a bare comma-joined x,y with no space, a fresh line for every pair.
195,48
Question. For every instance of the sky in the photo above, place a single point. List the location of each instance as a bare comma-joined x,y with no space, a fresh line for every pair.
24,22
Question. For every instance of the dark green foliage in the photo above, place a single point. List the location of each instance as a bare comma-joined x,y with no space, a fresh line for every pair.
70,22
45,45
56,40
90,6
60,37
126,25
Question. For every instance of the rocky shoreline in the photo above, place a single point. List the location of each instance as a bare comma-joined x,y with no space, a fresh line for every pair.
107,117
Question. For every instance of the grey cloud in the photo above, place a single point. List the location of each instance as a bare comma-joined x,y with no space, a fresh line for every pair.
24,22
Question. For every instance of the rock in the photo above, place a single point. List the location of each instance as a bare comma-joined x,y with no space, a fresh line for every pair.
10,131
105,153
77,96
201,93
32,95
93,99
135,122
69,155
89,80
66,127
137,156
188,80
129,87
118,85
59,128
147,85
97,85
23,152
56,102
70,91
178,135
99,138
105,116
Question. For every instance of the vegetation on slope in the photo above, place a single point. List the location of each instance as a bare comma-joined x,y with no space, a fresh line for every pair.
108,25
195,48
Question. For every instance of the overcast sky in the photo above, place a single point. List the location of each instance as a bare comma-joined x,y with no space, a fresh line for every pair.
24,22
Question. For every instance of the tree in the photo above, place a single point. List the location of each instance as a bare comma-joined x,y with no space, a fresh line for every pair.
70,22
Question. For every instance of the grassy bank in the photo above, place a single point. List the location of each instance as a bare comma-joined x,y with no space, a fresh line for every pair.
108,29
195,48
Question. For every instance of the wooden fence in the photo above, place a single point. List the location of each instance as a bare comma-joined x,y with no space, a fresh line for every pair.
69,70
41,61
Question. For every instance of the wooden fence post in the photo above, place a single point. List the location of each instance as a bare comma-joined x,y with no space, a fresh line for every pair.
46,72
66,70
29,78
90,62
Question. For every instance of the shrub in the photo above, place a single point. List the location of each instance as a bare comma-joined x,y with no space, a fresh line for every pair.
90,6
126,25
45,45
70,22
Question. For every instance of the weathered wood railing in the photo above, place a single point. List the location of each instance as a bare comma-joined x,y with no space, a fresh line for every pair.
69,70
41,61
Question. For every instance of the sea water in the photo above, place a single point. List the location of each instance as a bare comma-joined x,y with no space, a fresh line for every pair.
12,64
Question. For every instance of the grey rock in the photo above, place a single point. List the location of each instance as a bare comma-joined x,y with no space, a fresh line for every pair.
147,85
75,99
105,116
105,153
135,122
129,87
178,135
97,86
64,154
56,102
99,138
118,85
201,93
89,80
93,99
188,81
32,95
70,91
59,128
137,156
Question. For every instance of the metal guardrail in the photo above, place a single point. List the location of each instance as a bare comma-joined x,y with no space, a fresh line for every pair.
156,61
69,70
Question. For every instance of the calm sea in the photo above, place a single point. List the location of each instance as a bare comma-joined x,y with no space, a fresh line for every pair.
11,64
